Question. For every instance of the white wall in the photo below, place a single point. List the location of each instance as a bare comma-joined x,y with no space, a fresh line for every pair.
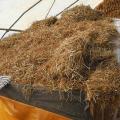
10,10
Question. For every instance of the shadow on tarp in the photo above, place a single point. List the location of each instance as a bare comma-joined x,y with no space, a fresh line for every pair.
70,104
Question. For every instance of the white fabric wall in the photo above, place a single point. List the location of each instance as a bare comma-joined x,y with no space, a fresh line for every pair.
11,9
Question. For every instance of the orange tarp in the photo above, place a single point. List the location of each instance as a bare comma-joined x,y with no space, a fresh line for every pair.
12,110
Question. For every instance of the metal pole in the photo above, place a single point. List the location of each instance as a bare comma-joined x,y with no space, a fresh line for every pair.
20,17
5,29
67,8
50,9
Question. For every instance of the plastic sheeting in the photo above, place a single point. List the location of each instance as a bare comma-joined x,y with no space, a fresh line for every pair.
12,110
117,24
71,105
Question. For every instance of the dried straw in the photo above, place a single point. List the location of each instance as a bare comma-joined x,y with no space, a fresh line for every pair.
104,83
103,91
59,54
110,8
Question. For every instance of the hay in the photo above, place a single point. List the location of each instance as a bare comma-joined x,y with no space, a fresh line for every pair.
75,52
67,60
105,80
110,8
43,23
82,13
101,38
59,54
103,90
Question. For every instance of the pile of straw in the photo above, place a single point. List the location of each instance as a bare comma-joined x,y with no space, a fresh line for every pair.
103,91
59,54
110,8
73,52
81,14
105,81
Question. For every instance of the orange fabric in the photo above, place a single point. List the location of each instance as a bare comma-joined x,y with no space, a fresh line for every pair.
12,110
